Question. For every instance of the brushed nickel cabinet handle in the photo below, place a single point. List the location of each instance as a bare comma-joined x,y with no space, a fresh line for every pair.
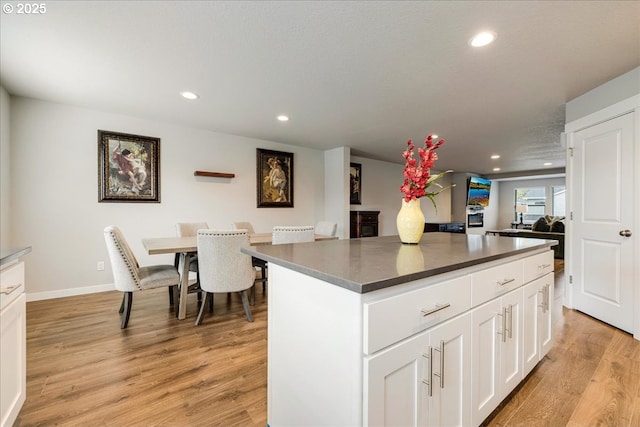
9,289
429,382
438,307
505,281
503,315
510,311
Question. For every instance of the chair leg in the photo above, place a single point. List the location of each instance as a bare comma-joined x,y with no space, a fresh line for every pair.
201,312
171,295
264,278
245,304
124,296
127,301
211,302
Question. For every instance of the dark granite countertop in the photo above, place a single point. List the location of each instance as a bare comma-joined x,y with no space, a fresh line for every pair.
10,254
372,263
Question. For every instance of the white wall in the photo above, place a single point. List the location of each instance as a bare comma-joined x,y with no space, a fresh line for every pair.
336,189
508,197
609,93
54,183
5,169
381,183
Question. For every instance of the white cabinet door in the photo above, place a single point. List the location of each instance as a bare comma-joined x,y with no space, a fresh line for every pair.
13,367
423,381
537,331
511,345
450,404
545,329
497,353
487,328
394,393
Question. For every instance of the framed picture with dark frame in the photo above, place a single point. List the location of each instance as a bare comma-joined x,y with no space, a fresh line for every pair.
355,180
128,167
274,171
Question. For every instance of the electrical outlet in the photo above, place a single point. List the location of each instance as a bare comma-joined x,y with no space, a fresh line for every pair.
100,265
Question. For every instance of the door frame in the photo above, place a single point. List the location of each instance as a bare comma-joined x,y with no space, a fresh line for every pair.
629,105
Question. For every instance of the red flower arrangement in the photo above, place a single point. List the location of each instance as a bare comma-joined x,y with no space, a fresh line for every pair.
417,175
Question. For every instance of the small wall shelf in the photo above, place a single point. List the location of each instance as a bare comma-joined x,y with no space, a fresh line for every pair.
214,174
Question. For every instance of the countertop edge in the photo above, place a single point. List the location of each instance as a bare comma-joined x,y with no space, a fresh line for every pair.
12,254
363,288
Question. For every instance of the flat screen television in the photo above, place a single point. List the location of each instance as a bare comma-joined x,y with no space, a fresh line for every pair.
478,192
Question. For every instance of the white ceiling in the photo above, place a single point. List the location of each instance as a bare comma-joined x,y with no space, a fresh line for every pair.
367,75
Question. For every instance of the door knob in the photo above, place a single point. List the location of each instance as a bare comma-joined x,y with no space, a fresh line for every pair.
625,233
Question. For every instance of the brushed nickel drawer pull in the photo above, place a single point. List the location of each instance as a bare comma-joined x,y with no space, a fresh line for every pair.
441,373
543,266
437,308
505,281
429,382
8,290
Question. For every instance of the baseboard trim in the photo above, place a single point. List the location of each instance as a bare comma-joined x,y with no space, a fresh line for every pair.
39,296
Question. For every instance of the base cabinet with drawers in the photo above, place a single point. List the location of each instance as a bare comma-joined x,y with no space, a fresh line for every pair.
444,350
13,343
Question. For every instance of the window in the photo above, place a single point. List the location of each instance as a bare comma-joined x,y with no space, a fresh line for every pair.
559,200
534,200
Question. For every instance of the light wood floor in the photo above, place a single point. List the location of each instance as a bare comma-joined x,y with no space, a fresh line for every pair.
82,370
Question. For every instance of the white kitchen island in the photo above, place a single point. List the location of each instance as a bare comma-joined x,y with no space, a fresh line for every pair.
373,332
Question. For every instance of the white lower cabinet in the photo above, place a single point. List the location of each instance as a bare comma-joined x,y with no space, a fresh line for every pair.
537,322
496,352
13,343
423,381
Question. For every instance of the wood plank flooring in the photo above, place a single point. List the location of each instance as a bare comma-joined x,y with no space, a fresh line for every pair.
82,370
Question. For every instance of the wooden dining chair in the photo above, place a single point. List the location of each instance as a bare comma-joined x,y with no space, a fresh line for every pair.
293,234
223,268
129,277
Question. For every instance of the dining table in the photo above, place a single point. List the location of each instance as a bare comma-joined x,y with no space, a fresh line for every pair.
186,247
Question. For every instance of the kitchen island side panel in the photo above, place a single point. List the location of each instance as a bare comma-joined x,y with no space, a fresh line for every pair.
315,352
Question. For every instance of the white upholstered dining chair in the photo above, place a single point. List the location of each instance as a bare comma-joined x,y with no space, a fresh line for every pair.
129,277
257,262
223,268
293,234
326,228
243,225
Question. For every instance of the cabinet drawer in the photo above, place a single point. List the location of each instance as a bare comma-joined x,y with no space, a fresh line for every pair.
537,266
395,318
11,284
493,282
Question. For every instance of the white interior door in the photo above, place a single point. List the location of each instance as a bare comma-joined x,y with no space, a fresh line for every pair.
602,208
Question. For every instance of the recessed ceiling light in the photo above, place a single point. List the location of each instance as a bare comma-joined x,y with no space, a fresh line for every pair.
283,118
482,39
495,156
496,169
189,95
548,164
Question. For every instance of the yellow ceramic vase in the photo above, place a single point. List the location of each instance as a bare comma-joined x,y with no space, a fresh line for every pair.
410,222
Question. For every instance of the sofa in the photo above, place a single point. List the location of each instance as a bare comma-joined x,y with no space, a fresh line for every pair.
545,227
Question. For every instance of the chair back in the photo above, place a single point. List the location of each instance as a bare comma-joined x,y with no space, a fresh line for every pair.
124,264
223,268
326,228
292,234
244,226
188,229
